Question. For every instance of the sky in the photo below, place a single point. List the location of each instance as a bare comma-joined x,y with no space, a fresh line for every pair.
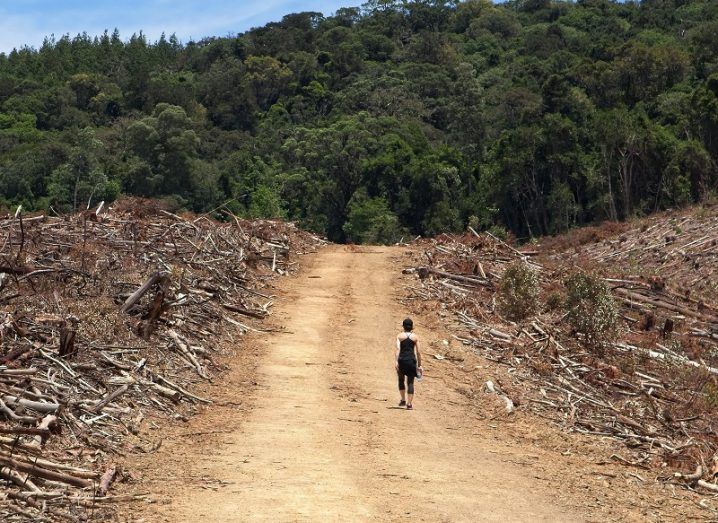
27,22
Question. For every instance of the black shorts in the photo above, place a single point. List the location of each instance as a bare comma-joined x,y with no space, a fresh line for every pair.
407,367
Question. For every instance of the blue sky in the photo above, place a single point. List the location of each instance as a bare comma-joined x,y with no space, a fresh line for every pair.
27,22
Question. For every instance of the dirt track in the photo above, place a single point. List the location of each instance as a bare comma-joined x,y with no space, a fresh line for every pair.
324,440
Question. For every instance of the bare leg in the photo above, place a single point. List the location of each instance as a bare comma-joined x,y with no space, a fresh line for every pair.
410,400
402,393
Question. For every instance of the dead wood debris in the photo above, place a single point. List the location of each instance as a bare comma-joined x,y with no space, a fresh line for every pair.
655,389
107,320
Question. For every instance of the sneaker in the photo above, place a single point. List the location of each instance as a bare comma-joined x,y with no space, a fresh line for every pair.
409,407
402,403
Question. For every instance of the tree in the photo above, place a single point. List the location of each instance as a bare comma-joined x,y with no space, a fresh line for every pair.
531,115
164,147
591,309
335,155
85,87
254,185
519,291
369,220
81,180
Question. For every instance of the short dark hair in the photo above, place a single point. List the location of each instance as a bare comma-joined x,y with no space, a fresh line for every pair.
407,324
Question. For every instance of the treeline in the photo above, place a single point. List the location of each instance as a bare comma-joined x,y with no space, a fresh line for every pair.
395,118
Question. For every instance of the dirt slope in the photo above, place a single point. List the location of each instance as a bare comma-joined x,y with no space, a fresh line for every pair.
321,439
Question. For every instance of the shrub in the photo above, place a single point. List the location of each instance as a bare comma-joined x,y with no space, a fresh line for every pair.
591,309
500,232
518,292
554,301
711,392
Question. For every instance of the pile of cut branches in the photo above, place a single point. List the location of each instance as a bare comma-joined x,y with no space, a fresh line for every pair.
108,319
651,383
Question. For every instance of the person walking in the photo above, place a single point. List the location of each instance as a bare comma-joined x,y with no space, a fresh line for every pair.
408,362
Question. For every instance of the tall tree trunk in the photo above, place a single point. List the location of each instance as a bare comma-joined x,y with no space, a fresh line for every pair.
612,212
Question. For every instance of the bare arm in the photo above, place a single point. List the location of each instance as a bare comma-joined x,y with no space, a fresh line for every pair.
418,352
396,353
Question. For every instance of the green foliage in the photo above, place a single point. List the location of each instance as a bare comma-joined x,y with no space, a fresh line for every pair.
711,392
81,180
370,220
518,291
498,231
254,185
18,128
527,116
554,301
163,148
591,310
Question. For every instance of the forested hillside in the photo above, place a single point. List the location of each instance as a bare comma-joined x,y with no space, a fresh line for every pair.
388,119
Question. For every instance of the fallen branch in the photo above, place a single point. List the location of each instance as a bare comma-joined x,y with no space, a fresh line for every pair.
141,291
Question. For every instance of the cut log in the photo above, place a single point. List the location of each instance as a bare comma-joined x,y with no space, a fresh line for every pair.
184,349
167,393
11,414
501,335
706,485
39,406
157,307
16,269
67,340
34,470
662,304
691,478
245,312
141,291
110,397
666,355
18,372
14,354
21,481
106,480
24,430
47,423
470,280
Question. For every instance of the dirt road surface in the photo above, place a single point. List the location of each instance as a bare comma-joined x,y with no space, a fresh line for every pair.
320,437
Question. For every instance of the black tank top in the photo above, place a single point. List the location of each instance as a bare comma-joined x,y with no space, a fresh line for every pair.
406,348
